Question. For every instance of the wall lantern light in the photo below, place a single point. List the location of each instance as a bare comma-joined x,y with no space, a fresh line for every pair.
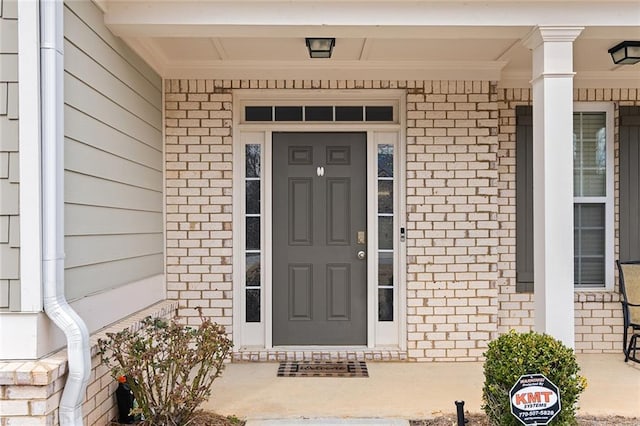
627,52
320,47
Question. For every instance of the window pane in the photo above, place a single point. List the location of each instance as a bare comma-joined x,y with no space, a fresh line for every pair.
253,196
385,304
288,113
257,113
252,153
589,183
592,242
253,305
385,269
253,270
589,215
318,113
348,113
589,272
385,160
589,154
589,244
385,196
385,232
379,113
253,233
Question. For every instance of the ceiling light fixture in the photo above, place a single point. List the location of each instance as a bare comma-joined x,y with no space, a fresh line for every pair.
627,52
320,47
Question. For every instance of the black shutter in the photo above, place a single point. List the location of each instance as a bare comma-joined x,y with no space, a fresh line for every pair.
524,199
629,183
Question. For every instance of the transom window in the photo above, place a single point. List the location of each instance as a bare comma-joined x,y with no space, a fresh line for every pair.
319,113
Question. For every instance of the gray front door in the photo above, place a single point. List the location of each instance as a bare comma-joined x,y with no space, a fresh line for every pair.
319,226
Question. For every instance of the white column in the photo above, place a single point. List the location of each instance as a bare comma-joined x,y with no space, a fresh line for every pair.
552,84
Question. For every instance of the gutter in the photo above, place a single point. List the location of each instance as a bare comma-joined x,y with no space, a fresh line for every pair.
55,304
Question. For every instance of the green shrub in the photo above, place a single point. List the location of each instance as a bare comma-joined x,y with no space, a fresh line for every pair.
515,354
169,367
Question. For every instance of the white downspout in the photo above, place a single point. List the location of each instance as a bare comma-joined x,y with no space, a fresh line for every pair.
55,304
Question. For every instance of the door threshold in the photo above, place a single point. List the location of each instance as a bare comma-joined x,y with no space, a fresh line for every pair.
321,348
318,353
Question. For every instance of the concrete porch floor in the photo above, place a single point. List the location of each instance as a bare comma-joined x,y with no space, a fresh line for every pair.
403,390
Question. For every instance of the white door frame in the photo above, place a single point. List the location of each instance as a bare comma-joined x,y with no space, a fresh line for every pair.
387,335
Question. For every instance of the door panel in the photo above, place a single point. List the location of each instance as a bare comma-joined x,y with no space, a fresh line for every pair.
300,292
319,284
338,211
300,212
339,292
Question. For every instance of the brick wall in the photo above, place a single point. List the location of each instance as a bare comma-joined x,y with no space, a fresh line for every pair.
516,309
452,206
460,211
199,198
452,223
30,391
598,314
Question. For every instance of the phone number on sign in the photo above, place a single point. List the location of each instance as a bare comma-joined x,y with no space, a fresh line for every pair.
537,413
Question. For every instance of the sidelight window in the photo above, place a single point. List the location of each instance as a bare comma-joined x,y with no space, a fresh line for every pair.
253,281
385,272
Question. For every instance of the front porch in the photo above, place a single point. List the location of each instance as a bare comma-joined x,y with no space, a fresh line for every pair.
404,390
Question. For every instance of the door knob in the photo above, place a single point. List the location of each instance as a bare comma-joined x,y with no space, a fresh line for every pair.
361,255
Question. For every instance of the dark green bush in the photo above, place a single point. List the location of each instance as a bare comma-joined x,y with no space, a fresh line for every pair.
515,354
170,367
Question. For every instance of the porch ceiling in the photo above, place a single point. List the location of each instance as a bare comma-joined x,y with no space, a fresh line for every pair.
376,39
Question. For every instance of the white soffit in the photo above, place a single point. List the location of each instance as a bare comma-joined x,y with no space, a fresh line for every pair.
375,39
190,49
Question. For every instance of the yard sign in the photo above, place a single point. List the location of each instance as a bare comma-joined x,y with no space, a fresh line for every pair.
534,400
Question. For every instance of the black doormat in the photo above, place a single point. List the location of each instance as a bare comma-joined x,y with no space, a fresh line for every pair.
323,369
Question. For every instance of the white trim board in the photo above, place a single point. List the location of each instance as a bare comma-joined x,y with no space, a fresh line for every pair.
33,335
29,158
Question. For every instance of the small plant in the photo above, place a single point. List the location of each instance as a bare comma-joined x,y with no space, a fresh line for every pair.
170,367
515,354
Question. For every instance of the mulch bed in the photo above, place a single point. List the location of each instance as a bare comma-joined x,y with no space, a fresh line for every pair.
481,420
203,418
